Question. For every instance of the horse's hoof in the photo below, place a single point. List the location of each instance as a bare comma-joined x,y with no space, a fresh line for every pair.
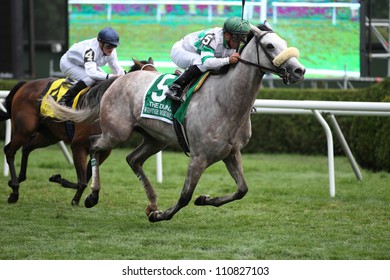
91,200
55,178
201,200
13,198
154,216
150,209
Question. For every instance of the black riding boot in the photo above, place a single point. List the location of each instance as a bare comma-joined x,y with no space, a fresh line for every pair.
176,89
68,97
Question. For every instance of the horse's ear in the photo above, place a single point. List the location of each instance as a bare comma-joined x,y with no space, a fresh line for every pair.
150,60
266,24
255,30
136,62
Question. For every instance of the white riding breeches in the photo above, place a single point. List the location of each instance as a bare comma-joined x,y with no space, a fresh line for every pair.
184,58
75,72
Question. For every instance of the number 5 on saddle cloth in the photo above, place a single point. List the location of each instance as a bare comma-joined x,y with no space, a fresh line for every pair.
157,106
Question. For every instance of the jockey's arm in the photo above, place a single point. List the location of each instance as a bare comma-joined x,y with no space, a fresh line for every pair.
210,61
214,63
116,68
93,71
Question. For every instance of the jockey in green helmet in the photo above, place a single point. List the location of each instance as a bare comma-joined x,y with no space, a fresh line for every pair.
237,27
204,50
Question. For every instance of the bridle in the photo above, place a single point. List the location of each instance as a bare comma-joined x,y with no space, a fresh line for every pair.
148,64
280,71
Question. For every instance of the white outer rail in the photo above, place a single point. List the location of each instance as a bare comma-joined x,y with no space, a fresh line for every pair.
332,108
338,106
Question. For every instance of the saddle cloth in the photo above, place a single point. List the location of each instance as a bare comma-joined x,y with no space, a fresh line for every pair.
157,106
57,89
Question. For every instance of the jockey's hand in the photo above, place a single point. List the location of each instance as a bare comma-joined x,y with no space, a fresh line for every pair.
233,59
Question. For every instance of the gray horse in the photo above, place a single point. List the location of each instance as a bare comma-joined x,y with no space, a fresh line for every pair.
217,120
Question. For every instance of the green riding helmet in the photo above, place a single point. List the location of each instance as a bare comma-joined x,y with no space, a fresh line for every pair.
237,27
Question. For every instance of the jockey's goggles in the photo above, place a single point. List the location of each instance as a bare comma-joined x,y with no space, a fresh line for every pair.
109,46
239,38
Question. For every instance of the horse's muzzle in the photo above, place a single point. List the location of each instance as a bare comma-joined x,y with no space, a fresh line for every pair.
295,76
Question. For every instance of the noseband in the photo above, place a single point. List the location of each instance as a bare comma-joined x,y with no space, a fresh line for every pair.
280,71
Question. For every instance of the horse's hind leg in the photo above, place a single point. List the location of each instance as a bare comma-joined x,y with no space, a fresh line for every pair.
13,183
40,140
21,133
114,132
17,140
195,170
136,159
234,166
100,143
93,198
84,170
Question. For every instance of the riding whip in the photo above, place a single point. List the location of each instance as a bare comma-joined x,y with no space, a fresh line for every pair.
242,18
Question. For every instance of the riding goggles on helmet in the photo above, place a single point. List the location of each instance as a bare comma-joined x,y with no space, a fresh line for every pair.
109,46
239,37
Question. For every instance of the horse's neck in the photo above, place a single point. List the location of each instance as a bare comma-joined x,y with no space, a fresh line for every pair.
244,82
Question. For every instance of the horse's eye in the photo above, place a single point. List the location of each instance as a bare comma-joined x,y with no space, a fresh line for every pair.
270,47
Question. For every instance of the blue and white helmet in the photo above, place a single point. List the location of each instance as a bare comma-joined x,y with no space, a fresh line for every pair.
108,35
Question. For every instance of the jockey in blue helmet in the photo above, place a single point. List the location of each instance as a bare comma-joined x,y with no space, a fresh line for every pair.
109,36
83,60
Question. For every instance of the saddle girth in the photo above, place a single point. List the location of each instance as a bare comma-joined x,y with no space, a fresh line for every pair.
180,130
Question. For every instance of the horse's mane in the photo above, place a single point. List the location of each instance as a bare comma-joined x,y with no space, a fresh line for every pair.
95,94
260,26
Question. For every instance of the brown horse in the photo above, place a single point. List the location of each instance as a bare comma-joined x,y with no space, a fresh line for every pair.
31,130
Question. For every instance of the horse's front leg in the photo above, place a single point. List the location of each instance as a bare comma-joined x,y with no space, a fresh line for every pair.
93,198
234,166
80,155
195,170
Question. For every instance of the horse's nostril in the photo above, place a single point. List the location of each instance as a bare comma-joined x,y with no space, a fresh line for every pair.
299,71
282,72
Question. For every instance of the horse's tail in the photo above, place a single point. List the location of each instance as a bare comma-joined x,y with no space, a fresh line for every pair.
63,113
7,103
